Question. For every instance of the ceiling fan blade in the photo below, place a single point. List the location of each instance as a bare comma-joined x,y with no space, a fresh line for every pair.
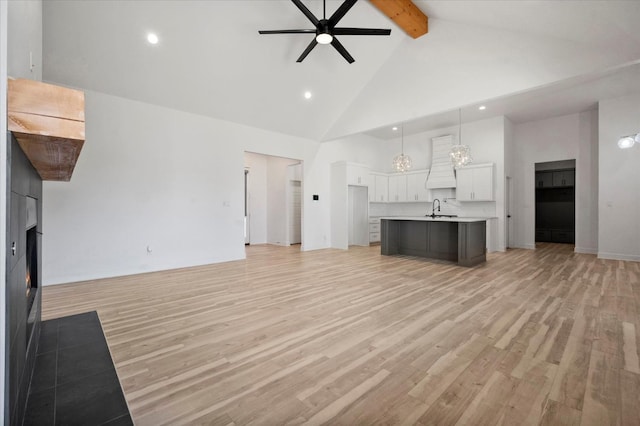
286,31
306,12
307,50
340,48
361,31
342,10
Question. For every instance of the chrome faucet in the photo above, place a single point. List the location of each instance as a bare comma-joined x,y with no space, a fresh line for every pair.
433,207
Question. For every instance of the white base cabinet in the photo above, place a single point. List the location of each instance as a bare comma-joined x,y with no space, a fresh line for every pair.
475,182
374,230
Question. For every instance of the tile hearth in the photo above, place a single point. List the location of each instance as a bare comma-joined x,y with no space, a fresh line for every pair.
74,381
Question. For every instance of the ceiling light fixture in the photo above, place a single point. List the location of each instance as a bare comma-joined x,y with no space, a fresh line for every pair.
307,95
401,163
324,38
394,128
152,38
628,141
460,154
482,107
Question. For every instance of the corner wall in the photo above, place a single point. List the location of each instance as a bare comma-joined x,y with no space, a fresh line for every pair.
565,137
157,189
619,183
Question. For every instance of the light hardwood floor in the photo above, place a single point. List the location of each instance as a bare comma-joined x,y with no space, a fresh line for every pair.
352,337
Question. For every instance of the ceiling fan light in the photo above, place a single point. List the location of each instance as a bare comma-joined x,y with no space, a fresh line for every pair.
626,142
324,38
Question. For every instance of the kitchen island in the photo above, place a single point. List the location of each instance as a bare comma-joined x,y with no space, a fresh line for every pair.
456,239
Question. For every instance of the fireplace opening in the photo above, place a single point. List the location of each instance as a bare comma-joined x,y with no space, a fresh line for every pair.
32,276
31,279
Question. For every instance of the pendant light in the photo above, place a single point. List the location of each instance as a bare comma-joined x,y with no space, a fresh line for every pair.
401,163
460,154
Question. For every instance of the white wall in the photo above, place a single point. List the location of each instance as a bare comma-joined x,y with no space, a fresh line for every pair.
25,39
509,136
587,194
619,183
153,177
554,139
463,64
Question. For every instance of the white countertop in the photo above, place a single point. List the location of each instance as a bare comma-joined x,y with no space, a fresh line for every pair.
438,219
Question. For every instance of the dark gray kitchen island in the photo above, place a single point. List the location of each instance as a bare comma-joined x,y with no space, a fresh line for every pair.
456,239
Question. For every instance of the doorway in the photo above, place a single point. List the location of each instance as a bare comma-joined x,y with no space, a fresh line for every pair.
507,202
294,209
555,201
247,222
273,200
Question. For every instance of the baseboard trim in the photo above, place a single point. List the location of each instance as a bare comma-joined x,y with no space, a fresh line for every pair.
585,250
526,246
618,256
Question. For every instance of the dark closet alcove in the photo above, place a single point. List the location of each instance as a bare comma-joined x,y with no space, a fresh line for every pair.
555,202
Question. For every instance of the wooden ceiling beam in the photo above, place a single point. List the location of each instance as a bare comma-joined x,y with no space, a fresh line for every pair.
405,14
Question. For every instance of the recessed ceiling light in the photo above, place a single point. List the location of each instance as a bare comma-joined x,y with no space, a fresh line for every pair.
394,128
152,38
482,107
307,95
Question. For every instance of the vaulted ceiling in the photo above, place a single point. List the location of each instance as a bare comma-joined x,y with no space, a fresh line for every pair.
211,61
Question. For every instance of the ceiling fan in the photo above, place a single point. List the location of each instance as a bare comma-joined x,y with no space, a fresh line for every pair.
325,29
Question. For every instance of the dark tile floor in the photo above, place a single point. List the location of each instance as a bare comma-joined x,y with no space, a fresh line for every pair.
74,381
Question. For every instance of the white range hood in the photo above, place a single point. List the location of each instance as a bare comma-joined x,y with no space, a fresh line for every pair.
441,174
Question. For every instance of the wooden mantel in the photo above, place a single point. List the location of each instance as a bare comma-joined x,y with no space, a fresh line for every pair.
405,14
48,122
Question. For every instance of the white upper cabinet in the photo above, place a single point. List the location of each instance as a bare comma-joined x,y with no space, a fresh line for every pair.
417,186
381,191
357,174
475,182
397,188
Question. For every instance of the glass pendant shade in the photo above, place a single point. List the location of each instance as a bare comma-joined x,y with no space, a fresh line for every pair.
401,163
460,154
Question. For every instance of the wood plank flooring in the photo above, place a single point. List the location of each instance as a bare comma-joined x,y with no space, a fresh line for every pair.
544,337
